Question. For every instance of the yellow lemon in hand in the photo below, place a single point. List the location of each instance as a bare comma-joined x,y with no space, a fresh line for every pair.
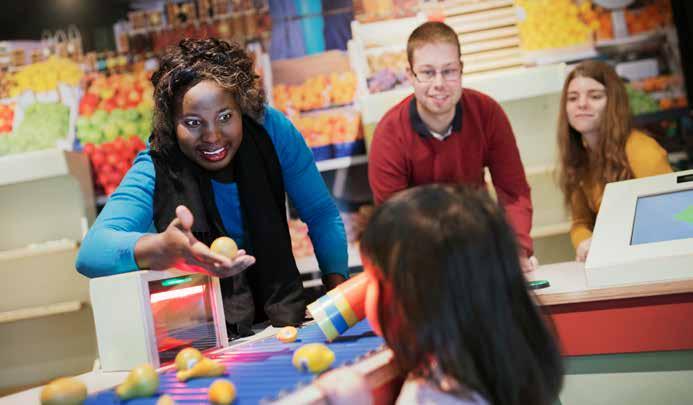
224,246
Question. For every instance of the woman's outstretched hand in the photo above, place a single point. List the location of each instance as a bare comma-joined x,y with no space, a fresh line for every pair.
177,247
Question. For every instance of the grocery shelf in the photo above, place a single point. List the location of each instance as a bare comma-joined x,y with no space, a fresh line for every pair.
40,311
569,54
36,165
323,166
386,32
214,18
309,264
38,249
341,163
631,39
503,86
55,186
657,116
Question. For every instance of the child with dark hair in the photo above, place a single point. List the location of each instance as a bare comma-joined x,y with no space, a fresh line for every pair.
447,294
220,162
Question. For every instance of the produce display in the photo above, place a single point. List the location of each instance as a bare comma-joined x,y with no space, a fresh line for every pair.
117,91
103,126
563,23
328,127
6,118
387,71
115,120
43,125
656,93
655,15
667,90
300,241
556,23
658,83
368,11
639,20
44,76
111,160
606,29
5,84
115,106
641,102
320,91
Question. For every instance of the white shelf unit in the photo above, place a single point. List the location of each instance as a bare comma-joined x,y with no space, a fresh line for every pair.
46,327
341,163
631,39
487,30
553,56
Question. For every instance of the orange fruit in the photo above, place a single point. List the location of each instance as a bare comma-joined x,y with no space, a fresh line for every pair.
224,246
287,334
222,392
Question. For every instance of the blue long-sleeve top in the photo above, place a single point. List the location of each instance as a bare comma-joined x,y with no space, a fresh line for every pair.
109,246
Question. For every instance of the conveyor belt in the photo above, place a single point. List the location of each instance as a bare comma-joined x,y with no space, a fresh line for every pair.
261,370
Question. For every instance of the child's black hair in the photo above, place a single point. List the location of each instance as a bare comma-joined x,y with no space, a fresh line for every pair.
461,299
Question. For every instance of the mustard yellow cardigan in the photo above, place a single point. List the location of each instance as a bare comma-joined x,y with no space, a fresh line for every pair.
645,157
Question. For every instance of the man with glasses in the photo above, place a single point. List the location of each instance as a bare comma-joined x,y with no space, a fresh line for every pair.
446,134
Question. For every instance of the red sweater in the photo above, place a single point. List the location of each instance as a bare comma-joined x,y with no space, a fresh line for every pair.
400,157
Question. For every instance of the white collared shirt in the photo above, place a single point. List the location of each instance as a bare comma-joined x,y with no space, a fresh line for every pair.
441,137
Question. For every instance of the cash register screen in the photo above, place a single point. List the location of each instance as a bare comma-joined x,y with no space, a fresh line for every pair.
663,217
182,313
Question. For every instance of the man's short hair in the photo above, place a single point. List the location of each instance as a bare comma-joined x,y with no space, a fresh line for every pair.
428,33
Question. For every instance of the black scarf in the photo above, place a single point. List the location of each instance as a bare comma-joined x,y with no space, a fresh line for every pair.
272,287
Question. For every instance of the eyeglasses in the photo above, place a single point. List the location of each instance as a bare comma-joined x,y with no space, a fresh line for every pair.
429,75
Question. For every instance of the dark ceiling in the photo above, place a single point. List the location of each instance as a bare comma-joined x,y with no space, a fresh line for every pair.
27,19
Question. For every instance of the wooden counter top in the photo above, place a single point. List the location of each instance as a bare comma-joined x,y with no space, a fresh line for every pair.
569,285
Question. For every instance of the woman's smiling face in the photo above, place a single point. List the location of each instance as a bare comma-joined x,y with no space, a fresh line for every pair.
585,104
209,126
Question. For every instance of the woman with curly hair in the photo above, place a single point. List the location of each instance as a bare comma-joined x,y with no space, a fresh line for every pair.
220,163
597,145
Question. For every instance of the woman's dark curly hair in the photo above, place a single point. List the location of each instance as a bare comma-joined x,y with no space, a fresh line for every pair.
191,62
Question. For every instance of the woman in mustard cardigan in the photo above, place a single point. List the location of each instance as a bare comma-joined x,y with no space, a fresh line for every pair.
597,145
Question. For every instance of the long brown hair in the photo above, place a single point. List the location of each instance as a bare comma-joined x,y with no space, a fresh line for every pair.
608,163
